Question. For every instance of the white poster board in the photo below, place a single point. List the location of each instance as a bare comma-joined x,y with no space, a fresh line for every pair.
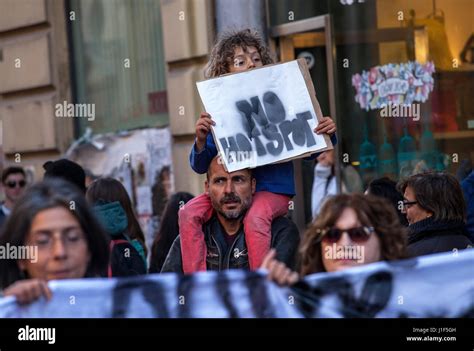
264,115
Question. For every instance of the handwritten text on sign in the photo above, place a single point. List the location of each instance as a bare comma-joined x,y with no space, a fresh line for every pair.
274,127
262,116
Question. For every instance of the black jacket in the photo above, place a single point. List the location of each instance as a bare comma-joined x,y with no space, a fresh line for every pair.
285,239
429,236
3,217
125,260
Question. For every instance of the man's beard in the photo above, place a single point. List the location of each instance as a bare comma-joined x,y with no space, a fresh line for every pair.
232,215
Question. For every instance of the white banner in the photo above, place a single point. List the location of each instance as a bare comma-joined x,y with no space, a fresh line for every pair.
439,285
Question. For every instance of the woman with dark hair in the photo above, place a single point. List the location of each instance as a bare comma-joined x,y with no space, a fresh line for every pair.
53,220
112,206
436,213
168,230
351,230
109,190
387,188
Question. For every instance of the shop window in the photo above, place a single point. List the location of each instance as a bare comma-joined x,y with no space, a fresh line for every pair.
119,63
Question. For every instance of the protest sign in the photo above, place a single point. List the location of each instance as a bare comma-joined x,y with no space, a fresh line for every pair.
264,115
439,285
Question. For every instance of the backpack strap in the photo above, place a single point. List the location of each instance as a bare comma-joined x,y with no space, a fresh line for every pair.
111,248
139,247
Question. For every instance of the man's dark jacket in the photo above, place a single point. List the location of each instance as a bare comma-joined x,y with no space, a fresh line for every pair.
3,217
285,240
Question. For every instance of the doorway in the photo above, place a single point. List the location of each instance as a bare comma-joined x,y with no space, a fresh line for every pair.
313,39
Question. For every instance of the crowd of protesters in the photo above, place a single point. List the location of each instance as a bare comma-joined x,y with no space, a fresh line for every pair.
94,232
86,230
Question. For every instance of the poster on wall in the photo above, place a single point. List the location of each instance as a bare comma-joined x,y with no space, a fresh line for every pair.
138,159
393,84
264,115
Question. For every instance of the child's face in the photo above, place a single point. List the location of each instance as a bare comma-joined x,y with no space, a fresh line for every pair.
244,60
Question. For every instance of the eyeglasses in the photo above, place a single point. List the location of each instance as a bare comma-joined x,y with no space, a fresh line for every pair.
68,238
357,235
408,204
12,184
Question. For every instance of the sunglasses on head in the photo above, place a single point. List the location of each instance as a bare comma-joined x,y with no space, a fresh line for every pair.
12,184
357,234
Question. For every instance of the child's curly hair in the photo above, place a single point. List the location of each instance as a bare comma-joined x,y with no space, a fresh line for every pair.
223,51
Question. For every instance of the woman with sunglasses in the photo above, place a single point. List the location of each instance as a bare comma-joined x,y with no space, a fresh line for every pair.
351,230
436,213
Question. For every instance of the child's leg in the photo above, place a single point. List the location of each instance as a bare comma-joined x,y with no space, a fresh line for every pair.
265,208
193,247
